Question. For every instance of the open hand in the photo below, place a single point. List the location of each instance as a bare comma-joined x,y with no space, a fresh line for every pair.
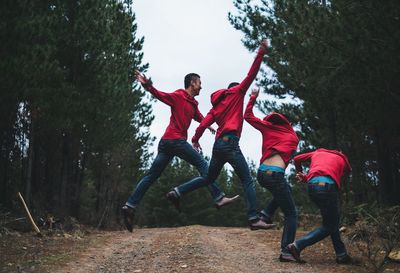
301,177
264,44
141,78
255,91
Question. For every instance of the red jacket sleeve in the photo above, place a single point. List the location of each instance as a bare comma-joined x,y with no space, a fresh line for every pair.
249,115
298,159
167,98
251,75
197,115
204,124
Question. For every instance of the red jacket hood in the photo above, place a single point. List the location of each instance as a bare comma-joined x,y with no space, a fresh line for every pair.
187,96
276,118
218,96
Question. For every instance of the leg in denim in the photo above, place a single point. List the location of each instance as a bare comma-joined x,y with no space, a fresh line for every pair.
337,242
239,164
326,198
214,169
270,209
276,183
272,206
187,153
160,162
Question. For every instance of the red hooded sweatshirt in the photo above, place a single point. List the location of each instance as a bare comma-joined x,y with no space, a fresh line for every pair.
278,134
324,163
227,109
184,108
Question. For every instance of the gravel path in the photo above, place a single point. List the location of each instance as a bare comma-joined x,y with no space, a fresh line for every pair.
200,249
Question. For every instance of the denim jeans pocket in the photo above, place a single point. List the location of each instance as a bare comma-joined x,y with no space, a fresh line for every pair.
319,188
269,179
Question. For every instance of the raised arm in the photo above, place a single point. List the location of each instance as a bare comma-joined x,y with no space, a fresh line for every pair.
249,115
147,84
255,67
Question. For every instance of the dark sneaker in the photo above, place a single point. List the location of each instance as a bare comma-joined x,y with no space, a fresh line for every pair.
284,258
226,201
345,259
265,219
295,253
128,214
173,197
260,225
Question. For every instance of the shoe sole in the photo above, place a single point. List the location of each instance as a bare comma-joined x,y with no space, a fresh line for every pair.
258,228
284,260
233,200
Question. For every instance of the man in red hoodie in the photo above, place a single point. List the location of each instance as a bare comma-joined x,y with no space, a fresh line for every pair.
279,143
227,112
323,184
184,108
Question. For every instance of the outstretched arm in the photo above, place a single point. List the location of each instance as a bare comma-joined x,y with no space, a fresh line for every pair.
167,98
300,176
255,67
298,159
248,113
199,118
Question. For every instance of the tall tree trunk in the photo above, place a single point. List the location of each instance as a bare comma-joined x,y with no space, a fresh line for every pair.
387,186
63,210
31,157
79,169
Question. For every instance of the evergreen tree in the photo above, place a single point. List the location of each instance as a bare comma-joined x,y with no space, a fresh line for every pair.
74,122
339,58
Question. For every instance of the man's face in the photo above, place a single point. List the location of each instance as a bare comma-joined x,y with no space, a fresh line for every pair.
196,85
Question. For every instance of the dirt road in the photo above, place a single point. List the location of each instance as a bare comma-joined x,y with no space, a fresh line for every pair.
200,249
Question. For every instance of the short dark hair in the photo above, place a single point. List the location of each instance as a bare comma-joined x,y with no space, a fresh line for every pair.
232,84
190,77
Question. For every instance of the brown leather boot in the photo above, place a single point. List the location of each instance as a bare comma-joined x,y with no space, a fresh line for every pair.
173,197
128,214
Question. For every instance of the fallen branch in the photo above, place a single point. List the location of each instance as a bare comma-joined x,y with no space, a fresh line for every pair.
14,220
35,227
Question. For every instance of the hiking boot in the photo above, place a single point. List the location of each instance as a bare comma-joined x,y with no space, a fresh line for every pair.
265,219
226,201
284,258
258,224
128,214
295,253
173,197
345,259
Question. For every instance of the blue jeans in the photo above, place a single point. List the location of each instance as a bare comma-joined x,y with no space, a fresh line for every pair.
326,197
276,183
167,149
227,151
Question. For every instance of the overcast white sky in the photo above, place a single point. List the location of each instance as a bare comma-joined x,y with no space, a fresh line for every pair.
184,36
